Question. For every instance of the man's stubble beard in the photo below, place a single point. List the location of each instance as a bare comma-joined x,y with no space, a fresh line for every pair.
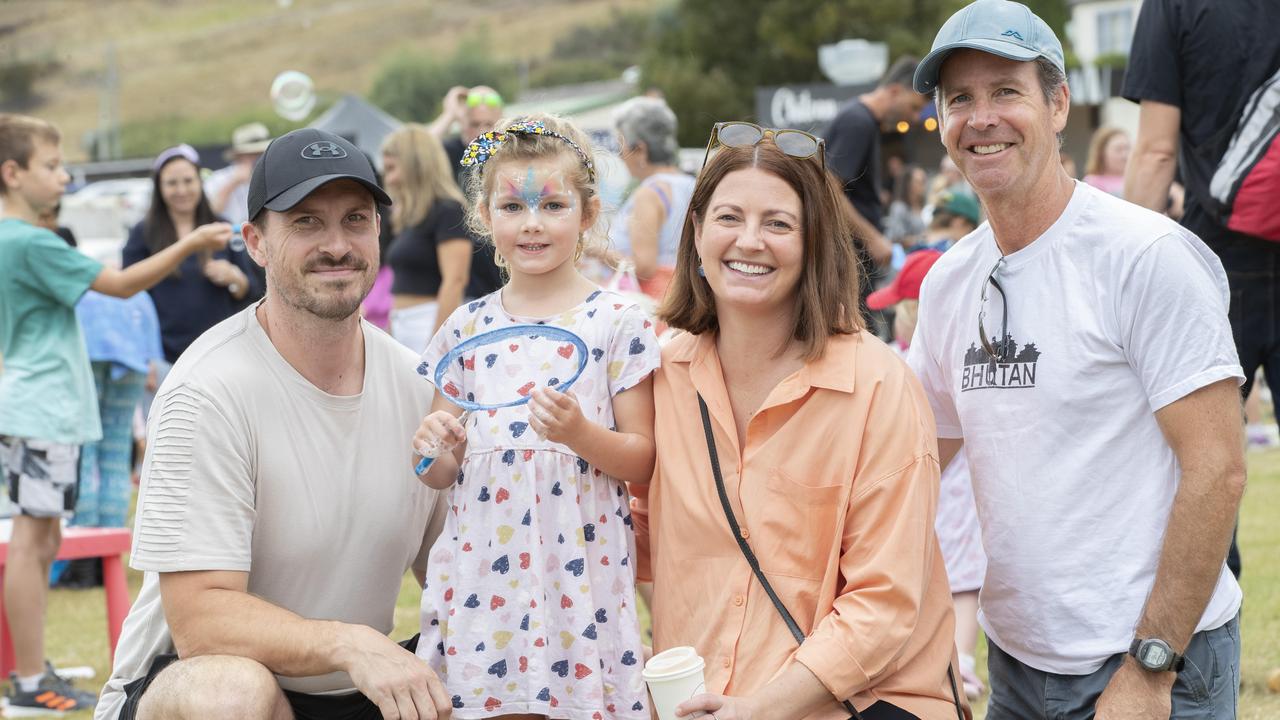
331,305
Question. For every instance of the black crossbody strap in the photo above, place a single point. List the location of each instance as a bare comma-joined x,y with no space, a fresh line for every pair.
796,632
790,621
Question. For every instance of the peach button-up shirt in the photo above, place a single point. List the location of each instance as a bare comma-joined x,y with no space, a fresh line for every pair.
835,491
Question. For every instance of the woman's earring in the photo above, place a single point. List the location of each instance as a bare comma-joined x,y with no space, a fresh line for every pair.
701,272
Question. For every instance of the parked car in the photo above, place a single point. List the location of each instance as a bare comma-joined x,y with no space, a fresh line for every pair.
101,213
129,196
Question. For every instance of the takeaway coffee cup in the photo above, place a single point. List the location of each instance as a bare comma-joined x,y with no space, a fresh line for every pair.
674,676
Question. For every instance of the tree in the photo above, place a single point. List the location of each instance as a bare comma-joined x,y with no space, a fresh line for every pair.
709,56
18,79
17,83
598,51
411,86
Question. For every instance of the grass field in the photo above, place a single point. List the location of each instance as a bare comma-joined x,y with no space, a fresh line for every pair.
77,636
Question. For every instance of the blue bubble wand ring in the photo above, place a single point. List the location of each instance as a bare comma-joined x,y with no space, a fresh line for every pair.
457,353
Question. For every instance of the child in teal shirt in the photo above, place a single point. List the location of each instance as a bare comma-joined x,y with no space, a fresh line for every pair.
48,404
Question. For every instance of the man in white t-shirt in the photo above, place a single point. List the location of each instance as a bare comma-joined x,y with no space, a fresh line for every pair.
1079,347
279,510
228,188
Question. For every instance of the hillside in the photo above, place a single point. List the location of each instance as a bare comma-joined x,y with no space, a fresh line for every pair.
188,61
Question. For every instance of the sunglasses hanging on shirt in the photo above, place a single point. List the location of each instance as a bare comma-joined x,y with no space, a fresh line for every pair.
999,350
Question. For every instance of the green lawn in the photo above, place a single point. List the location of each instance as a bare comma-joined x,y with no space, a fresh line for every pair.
77,629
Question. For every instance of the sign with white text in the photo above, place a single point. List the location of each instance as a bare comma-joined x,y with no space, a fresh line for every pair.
803,107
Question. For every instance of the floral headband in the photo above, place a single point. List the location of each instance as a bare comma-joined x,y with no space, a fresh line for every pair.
483,147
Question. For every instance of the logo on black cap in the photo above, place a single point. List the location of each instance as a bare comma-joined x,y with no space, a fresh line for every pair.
323,150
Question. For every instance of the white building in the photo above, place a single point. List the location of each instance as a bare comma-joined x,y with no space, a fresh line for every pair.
1101,32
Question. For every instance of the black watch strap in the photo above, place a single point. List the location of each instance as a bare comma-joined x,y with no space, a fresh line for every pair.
1174,663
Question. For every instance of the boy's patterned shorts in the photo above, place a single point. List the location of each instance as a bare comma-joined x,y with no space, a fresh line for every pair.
43,477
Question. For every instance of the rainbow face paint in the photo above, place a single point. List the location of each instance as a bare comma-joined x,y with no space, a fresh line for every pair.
539,195
535,216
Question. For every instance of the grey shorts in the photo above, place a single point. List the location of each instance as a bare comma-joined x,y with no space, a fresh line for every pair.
1208,687
43,477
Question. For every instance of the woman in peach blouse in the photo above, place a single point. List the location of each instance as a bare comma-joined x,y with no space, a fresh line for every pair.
826,446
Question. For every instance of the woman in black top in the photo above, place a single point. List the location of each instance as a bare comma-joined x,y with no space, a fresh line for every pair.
207,287
431,254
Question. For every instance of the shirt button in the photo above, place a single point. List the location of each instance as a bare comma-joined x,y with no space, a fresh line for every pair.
737,600
745,533
726,662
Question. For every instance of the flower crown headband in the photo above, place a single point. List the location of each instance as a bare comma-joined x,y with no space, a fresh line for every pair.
484,146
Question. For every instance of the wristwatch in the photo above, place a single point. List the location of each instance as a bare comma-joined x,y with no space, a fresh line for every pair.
1155,655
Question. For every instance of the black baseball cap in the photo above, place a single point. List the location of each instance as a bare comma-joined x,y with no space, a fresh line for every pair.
297,163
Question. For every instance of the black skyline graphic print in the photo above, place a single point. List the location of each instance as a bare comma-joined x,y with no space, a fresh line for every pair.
1011,369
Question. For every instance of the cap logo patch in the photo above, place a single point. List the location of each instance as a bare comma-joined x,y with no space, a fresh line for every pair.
1013,33
323,150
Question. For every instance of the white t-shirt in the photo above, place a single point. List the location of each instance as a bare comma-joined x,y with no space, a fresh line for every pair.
1116,312
236,211
252,468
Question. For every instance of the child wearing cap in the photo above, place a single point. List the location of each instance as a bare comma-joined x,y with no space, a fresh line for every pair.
953,216
48,405
956,525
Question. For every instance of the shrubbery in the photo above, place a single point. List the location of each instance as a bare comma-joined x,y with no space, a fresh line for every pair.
411,85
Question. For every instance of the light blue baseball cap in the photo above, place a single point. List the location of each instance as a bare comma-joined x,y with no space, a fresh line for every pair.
1000,27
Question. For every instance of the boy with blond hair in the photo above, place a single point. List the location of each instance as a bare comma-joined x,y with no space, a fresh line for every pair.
48,405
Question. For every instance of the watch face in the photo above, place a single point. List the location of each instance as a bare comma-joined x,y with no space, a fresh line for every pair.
1154,656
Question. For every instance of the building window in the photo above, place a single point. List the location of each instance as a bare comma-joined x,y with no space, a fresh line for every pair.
1115,31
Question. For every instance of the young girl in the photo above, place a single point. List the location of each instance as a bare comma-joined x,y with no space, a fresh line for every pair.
528,606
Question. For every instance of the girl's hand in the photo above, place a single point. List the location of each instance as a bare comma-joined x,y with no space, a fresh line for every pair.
439,431
721,707
554,415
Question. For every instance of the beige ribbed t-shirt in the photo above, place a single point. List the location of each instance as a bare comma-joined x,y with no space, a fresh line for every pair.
252,468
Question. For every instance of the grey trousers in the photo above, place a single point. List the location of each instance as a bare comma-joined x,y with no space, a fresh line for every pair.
1208,686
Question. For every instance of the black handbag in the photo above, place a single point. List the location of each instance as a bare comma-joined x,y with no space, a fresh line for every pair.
878,711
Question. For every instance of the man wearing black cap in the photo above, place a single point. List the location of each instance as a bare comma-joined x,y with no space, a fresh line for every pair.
277,514
1078,345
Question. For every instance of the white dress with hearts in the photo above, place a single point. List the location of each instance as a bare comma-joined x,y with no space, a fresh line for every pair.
529,604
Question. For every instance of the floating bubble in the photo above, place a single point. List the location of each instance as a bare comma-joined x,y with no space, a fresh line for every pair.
293,95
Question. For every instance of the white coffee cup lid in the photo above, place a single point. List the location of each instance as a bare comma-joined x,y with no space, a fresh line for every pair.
675,662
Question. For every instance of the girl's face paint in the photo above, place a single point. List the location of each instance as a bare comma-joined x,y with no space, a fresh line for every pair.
535,215
536,195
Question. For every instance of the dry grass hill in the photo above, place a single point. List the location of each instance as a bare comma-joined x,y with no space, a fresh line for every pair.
182,61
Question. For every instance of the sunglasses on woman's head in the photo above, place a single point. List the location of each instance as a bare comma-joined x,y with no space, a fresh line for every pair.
796,143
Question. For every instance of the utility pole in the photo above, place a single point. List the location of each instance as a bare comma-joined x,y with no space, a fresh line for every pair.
107,146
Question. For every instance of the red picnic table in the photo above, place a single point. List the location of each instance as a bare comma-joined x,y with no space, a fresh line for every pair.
78,543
